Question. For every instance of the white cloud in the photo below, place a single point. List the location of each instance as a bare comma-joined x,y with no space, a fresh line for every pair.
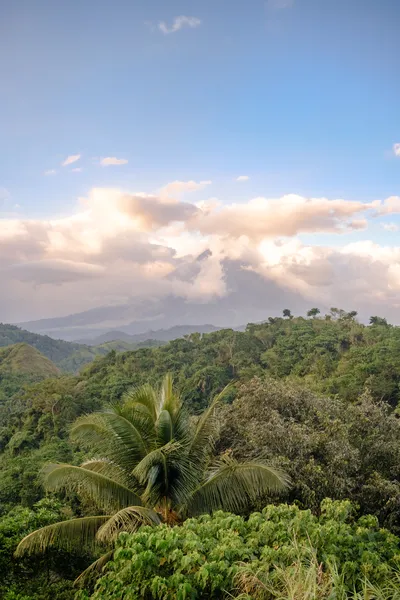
178,23
180,187
70,160
396,149
112,161
124,245
243,178
50,172
390,226
289,216
77,170
389,206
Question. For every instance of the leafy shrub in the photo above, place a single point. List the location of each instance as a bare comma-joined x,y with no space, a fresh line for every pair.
205,556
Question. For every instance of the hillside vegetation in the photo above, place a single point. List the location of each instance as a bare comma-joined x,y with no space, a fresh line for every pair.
25,360
316,397
336,356
69,357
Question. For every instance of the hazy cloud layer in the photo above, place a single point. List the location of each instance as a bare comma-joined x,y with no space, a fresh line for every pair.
118,246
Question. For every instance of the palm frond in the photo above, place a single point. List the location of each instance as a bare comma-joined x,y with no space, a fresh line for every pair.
66,534
206,431
164,428
169,399
110,469
167,472
154,458
111,433
153,473
128,519
94,569
106,467
139,415
233,486
104,491
181,424
146,396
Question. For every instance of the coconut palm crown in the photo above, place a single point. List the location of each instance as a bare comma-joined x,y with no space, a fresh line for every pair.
154,463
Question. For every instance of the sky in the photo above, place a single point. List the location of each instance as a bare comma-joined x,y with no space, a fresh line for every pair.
135,135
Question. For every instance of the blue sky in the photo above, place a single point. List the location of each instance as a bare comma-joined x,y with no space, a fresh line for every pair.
177,99
302,96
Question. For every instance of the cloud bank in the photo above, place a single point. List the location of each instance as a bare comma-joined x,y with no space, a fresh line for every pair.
117,246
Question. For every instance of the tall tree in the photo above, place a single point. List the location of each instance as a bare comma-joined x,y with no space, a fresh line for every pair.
286,313
156,465
377,321
313,312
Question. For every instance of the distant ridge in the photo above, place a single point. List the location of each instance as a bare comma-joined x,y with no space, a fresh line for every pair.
162,335
70,357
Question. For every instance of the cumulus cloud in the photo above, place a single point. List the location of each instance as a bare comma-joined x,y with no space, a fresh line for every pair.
119,246
289,216
50,172
180,187
151,212
179,23
70,160
389,206
396,149
110,161
243,178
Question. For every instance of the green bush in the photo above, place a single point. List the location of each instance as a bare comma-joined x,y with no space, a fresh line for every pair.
205,557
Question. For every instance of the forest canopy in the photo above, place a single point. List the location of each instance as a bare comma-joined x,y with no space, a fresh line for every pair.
316,397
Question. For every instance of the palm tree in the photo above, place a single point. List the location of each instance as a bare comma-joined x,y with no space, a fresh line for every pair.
156,466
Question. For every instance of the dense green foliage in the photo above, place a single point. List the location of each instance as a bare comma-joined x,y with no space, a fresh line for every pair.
318,397
335,355
152,463
208,557
36,578
329,447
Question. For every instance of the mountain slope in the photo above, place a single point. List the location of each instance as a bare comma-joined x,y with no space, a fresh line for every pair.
22,359
55,350
69,357
250,297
